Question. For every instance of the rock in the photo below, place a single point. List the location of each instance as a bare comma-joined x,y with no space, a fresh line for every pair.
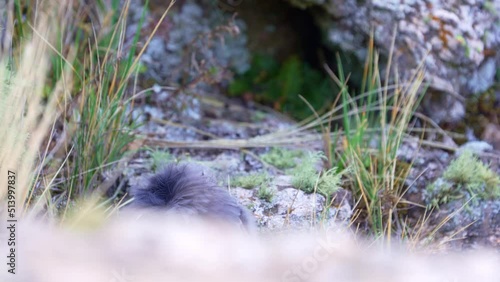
291,208
476,147
476,224
466,202
457,40
194,42
343,203
491,134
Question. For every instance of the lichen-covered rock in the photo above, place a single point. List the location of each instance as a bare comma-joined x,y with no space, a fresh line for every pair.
476,224
456,40
291,208
468,193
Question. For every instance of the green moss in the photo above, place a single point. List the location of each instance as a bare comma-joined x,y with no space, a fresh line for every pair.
466,174
250,181
160,159
266,194
280,84
307,178
329,182
282,158
468,171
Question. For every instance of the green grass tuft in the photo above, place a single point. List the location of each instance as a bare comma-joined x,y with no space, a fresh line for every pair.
306,175
363,133
81,88
103,117
265,193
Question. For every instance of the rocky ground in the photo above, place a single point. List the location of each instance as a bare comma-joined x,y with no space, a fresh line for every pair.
288,207
182,120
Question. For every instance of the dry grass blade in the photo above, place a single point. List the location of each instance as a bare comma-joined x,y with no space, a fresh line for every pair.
27,116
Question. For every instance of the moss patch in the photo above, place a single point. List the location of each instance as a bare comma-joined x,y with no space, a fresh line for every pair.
465,175
160,159
265,193
249,181
282,158
307,178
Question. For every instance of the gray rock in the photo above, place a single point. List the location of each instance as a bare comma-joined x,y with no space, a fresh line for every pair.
477,224
476,147
194,40
457,40
291,208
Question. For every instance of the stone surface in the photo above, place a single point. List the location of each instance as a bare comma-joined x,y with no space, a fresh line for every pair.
476,147
456,40
477,224
291,208
193,41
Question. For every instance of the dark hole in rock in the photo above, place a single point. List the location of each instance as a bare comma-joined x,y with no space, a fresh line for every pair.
287,59
277,29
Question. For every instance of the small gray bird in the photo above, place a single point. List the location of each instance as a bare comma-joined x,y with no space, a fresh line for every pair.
188,190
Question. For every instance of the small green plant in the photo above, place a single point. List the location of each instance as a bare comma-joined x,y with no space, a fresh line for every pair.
490,7
465,175
282,158
469,171
464,44
250,206
329,182
307,178
250,181
265,193
160,159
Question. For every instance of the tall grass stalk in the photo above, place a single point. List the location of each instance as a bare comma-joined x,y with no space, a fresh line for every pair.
70,83
25,115
104,126
374,127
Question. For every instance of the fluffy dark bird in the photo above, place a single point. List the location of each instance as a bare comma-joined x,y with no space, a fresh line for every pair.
187,189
